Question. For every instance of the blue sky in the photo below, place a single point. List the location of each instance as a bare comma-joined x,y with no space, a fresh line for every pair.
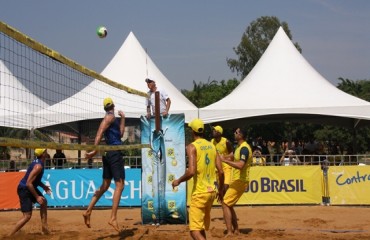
191,40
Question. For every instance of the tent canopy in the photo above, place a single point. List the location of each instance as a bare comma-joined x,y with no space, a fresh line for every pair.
283,85
128,67
131,66
17,103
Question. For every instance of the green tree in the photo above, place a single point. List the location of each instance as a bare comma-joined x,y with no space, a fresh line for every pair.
360,89
254,42
349,139
204,94
350,87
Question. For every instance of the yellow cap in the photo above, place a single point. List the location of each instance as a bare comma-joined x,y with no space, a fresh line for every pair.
107,101
218,129
39,151
197,125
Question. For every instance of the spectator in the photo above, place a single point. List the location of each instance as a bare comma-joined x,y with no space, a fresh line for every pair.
311,146
90,163
258,159
47,161
12,167
59,159
289,158
298,148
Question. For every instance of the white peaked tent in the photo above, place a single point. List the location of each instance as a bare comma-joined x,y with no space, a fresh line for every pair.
88,104
283,85
17,103
131,66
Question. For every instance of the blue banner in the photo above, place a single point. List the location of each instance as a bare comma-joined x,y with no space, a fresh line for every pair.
161,164
75,187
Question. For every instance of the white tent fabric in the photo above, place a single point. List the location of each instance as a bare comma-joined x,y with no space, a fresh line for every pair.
88,104
128,67
283,82
17,103
131,66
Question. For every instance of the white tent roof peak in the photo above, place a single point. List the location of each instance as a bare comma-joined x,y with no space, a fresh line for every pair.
283,82
131,65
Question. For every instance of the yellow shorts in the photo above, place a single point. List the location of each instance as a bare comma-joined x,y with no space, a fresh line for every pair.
234,192
227,173
200,211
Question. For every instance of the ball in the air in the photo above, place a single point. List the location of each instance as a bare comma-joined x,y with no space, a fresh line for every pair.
101,32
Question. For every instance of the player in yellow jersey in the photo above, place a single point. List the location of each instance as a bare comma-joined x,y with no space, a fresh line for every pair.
241,163
224,148
203,162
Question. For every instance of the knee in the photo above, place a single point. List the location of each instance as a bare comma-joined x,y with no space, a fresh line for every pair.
104,188
119,188
45,203
120,185
27,217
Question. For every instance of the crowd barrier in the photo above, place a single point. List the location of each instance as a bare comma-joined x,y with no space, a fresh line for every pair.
345,185
136,161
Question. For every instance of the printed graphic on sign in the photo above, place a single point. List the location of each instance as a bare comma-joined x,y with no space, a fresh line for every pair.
161,164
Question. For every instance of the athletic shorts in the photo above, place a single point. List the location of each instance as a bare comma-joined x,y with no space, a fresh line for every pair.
200,211
113,166
234,192
26,199
227,173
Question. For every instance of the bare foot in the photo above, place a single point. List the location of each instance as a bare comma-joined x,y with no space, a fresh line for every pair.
45,230
228,235
87,219
114,224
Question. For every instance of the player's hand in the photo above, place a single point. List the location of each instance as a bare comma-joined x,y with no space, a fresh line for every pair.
121,113
165,114
91,154
47,189
220,196
175,183
148,115
40,199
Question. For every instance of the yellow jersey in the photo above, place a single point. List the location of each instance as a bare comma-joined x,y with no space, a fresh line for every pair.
221,148
242,174
205,176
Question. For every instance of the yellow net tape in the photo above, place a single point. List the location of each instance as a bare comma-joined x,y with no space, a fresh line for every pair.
11,142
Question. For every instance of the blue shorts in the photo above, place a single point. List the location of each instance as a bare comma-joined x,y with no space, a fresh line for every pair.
113,166
26,199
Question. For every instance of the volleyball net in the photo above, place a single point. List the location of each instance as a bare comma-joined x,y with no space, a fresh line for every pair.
43,92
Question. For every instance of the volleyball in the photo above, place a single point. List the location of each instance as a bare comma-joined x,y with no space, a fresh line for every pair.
101,31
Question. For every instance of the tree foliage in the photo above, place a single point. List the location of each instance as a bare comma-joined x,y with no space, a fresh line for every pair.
204,94
360,89
254,42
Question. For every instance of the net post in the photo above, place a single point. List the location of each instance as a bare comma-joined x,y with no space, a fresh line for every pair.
157,113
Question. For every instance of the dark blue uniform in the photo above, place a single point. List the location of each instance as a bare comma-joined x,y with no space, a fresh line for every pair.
25,196
113,165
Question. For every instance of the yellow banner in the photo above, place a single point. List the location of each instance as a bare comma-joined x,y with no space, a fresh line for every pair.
281,185
349,185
